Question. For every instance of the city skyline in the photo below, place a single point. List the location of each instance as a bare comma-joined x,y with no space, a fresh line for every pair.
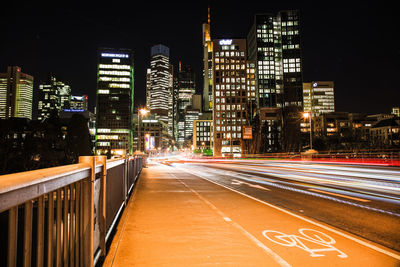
359,45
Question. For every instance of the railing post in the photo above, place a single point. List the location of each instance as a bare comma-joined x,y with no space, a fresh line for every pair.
102,212
88,211
125,178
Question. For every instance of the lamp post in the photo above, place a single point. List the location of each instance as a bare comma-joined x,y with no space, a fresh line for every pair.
142,111
309,115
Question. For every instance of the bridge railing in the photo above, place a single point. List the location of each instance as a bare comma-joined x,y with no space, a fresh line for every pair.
63,216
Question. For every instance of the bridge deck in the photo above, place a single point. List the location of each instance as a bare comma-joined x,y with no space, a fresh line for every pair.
168,223
179,219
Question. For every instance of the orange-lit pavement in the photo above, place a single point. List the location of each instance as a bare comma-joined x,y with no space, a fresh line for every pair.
178,219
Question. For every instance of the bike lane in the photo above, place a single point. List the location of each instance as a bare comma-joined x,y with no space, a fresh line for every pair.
294,239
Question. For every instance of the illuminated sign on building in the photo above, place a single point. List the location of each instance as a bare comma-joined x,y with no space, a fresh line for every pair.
114,55
225,42
247,132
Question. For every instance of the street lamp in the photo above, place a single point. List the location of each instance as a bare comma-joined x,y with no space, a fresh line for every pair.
142,112
309,115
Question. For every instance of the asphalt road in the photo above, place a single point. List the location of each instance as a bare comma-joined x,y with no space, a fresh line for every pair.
360,200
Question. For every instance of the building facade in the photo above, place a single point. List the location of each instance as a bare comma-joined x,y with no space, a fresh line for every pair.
318,97
79,102
207,66
274,45
16,94
229,95
54,96
114,107
159,90
202,134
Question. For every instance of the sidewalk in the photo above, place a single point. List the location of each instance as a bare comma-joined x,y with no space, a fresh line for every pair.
168,224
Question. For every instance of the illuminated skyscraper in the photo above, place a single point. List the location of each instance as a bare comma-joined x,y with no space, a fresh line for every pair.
274,45
185,89
159,95
318,97
207,66
54,96
114,108
16,93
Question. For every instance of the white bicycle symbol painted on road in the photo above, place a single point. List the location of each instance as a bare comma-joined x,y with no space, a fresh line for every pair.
322,241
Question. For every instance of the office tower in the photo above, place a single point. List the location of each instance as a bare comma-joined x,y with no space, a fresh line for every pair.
230,95
318,97
114,108
185,89
207,66
16,93
274,45
54,96
160,88
79,102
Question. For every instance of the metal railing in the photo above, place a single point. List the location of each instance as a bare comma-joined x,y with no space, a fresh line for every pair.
63,216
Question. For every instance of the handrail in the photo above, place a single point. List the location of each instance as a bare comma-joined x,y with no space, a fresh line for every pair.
71,199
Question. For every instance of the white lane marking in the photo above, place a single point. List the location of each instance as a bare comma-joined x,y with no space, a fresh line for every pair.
237,182
227,219
321,242
267,250
371,246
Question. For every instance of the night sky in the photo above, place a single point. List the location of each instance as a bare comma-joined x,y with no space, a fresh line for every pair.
356,46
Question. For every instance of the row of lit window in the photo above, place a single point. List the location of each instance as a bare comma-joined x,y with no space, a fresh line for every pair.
230,86
104,130
269,91
114,79
228,114
231,121
114,66
114,72
291,70
228,128
107,137
229,107
229,54
200,133
296,46
233,80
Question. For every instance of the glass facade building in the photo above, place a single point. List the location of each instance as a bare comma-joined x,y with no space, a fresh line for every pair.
159,88
114,105
274,45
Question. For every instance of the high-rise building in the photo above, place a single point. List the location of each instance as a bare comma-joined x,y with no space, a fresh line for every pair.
318,97
274,45
207,66
160,86
115,91
54,96
79,102
229,95
185,89
16,94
